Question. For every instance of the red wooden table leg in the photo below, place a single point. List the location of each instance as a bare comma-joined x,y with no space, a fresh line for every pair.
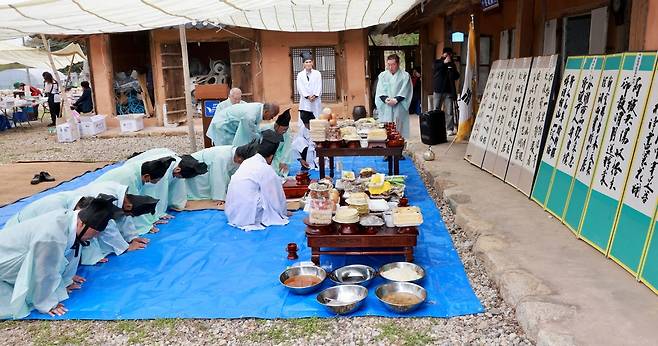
321,161
409,254
315,256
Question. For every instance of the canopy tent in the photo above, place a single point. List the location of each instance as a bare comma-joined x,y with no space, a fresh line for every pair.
13,56
65,17
11,76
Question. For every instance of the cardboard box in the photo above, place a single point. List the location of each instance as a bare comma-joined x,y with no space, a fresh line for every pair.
131,122
66,134
93,125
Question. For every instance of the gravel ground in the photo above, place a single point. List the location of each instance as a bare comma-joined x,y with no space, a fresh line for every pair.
36,144
496,326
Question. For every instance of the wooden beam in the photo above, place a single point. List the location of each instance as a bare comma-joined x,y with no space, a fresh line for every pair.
188,87
524,28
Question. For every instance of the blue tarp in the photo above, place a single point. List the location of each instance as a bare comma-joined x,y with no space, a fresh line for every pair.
199,267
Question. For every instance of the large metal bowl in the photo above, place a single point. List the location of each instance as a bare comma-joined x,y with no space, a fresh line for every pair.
355,274
303,270
404,287
404,265
342,299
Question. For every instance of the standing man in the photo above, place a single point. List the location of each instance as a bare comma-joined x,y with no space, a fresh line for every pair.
309,87
445,93
234,98
394,94
239,124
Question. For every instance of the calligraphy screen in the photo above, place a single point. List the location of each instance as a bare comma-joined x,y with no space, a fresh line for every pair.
486,114
641,193
574,136
511,123
504,107
596,128
565,99
617,149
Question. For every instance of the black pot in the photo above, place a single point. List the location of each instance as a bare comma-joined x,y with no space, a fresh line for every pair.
359,112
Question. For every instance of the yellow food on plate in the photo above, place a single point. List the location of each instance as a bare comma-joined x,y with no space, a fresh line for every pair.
378,190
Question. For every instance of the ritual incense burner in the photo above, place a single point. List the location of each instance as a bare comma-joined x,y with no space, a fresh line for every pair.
292,251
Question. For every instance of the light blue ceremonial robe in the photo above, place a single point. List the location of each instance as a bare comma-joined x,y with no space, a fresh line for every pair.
171,191
283,152
212,185
236,125
130,174
37,263
111,240
225,104
390,85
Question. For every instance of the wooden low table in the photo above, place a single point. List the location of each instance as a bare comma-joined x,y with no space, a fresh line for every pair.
386,242
394,155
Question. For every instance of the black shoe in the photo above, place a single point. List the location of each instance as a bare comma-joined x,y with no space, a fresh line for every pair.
36,179
402,158
386,158
51,124
45,176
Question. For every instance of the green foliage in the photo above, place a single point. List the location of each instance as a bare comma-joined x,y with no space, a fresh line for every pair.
399,40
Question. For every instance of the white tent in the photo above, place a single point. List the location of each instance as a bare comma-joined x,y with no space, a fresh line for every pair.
11,76
13,56
65,17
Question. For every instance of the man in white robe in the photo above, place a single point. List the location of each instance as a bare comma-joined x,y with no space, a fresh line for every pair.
239,124
393,95
234,98
255,197
39,258
303,146
309,87
223,161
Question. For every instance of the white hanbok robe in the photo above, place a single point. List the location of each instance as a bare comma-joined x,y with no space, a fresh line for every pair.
37,263
255,197
236,125
214,184
303,140
310,84
392,85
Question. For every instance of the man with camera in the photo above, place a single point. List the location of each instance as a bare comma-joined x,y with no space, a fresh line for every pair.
444,77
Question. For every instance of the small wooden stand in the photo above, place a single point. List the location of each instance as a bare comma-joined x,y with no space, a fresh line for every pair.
386,242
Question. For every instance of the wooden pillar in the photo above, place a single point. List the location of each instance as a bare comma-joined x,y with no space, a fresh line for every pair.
651,32
640,36
432,40
524,28
156,73
100,67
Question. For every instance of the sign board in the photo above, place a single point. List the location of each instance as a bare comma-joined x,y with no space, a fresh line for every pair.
210,107
489,4
566,97
617,149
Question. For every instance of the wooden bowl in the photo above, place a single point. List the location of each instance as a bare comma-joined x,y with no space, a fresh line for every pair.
395,143
313,229
353,144
348,228
334,144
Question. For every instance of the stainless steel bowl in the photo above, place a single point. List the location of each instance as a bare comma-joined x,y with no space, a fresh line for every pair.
355,274
303,270
403,265
342,299
404,287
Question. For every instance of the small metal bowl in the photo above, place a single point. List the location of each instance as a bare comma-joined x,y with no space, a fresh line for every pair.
342,299
405,265
303,270
355,274
401,287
